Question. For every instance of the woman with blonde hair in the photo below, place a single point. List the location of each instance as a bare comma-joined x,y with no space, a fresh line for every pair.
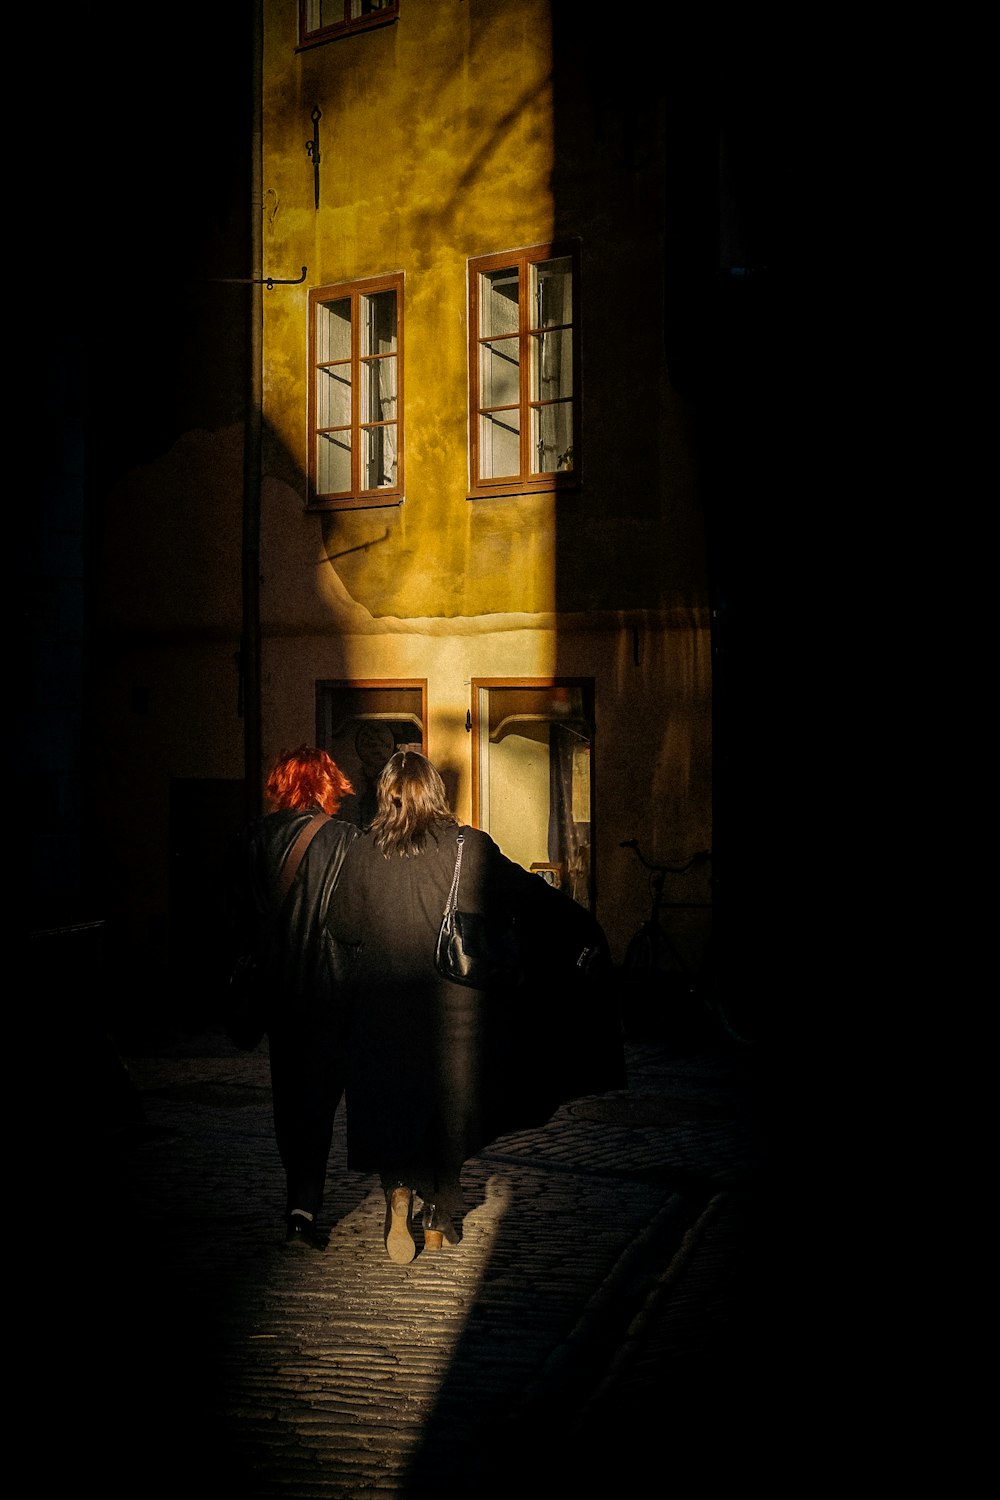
437,1070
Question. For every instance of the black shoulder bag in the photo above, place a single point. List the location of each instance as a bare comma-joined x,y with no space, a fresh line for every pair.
476,949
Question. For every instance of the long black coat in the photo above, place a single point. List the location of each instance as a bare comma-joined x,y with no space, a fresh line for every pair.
436,1070
304,964
306,1012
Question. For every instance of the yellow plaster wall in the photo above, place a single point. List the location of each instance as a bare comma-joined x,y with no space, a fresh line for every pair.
436,141
437,145
652,675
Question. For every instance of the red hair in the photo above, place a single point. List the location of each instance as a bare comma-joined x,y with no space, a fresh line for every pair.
306,777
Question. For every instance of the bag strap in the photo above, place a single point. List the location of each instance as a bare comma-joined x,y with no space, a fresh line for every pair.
293,859
453,893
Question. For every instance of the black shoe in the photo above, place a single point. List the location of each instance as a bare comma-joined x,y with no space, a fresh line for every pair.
302,1231
439,1228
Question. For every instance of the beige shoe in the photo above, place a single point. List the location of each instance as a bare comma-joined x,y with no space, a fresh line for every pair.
399,1242
439,1229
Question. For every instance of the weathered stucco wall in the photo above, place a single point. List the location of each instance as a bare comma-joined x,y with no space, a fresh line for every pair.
438,143
464,129
457,132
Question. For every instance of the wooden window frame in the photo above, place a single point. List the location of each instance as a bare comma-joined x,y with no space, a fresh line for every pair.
588,689
349,26
525,482
347,694
358,498
330,685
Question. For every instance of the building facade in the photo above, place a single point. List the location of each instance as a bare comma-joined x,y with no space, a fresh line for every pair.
467,508
482,528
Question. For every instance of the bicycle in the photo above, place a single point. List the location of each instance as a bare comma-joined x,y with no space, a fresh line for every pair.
668,983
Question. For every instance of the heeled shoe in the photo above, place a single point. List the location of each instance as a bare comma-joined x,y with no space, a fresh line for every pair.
302,1231
399,1242
439,1230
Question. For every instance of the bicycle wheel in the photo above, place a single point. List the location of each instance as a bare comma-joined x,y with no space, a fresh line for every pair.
635,979
639,955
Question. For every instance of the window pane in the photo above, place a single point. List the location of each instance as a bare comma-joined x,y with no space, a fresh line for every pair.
499,374
379,314
333,462
333,330
499,445
367,7
361,727
379,457
552,365
356,353
498,302
552,284
378,395
333,396
320,13
535,794
524,311
552,438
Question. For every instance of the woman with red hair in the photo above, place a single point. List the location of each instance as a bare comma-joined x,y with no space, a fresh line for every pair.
302,964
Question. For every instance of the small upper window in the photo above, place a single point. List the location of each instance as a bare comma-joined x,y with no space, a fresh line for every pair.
524,382
322,20
356,394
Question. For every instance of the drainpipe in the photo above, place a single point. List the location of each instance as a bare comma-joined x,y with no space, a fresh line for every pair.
250,648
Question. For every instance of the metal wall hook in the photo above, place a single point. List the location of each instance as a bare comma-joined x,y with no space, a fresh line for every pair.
271,281
268,281
312,149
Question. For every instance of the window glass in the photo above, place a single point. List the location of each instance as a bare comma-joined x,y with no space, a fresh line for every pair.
323,20
532,787
552,439
355,413
361,724
499,303
523,385
500,444
500,370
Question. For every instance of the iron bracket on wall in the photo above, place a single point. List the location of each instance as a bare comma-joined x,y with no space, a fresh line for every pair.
269,281
312,150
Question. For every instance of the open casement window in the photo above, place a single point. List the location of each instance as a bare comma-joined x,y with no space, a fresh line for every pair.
362,723
356,394
323,20
532,775
524,374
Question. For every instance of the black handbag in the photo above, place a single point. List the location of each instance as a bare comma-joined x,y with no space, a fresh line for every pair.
249,987
474,949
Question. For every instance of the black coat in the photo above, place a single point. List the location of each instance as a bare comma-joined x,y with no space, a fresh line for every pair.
440,1070
305,967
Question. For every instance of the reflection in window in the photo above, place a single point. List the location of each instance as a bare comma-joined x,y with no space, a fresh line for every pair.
361,724
532,775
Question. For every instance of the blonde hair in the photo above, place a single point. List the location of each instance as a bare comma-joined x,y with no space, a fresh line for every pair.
411,798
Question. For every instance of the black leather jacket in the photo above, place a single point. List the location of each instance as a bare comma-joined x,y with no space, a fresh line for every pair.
305,965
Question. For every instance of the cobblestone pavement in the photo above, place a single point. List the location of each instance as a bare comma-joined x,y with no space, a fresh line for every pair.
603,1309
